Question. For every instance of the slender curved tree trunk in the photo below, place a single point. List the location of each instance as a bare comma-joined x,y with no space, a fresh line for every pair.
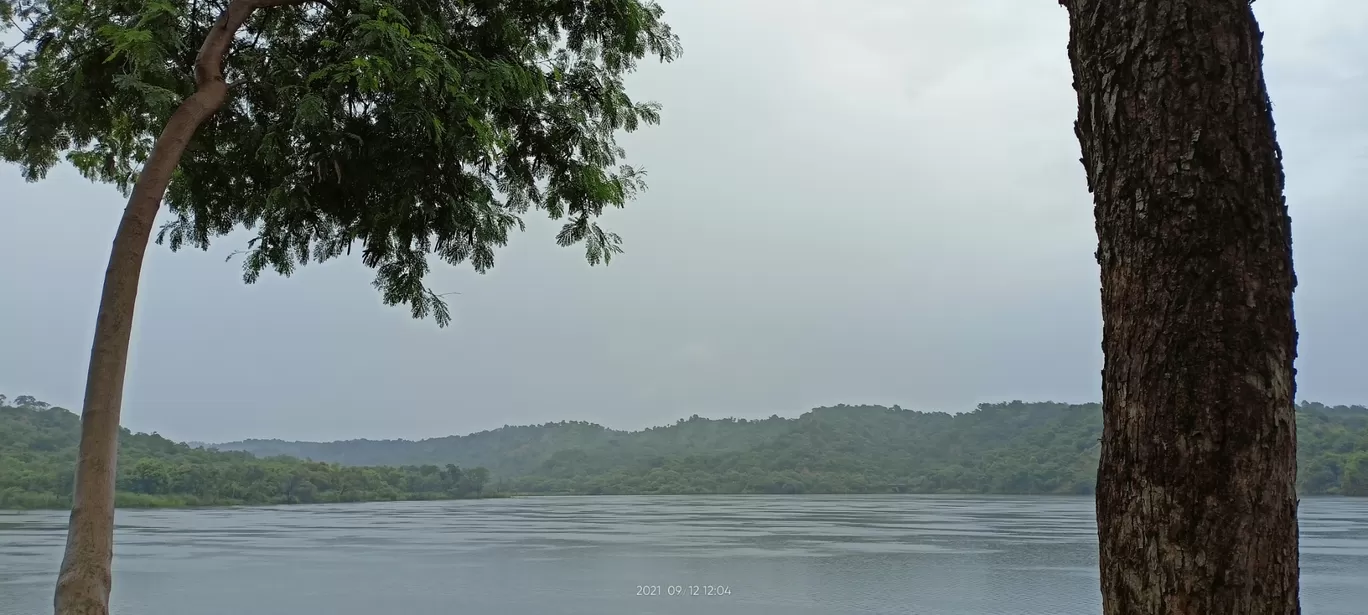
1196,501
84,583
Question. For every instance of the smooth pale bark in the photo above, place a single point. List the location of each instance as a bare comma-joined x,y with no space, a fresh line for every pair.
1196,500
84,583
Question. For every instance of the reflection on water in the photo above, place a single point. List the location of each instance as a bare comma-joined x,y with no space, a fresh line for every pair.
594,555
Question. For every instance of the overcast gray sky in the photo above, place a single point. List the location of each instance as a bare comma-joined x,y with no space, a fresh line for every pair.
872,201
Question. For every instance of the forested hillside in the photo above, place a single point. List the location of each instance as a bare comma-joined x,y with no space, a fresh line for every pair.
1011,447
38,459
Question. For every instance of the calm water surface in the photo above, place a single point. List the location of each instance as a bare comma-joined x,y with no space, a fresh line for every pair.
827,555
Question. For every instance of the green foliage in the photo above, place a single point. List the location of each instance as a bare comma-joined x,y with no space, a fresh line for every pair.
38,459
998,448
411,127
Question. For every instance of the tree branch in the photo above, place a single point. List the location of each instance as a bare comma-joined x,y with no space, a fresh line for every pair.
28,37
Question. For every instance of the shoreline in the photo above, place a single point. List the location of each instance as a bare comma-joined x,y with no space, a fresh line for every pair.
502,496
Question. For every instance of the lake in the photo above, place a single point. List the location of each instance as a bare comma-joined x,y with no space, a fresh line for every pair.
631,555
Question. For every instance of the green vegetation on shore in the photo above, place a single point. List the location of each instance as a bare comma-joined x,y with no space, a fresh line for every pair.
1016,447
1011,447
38,459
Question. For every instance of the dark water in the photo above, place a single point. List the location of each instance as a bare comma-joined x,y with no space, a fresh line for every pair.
827,555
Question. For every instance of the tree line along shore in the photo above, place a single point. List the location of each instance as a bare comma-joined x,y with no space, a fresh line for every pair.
1005,448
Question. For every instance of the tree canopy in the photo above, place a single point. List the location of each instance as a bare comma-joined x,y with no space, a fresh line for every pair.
407,128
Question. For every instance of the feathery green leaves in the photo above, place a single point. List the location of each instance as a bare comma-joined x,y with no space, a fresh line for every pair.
407,128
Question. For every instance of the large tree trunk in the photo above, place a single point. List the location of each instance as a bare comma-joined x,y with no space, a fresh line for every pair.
84,583
1196,501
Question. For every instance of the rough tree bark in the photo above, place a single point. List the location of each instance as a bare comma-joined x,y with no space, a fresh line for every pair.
84,583
1196,501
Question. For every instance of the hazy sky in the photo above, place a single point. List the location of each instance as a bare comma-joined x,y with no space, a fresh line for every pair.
874,201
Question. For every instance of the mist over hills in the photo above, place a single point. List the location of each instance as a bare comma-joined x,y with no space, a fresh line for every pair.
1012,447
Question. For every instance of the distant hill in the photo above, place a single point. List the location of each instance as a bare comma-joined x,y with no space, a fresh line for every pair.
519,450
38,446
1014,447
